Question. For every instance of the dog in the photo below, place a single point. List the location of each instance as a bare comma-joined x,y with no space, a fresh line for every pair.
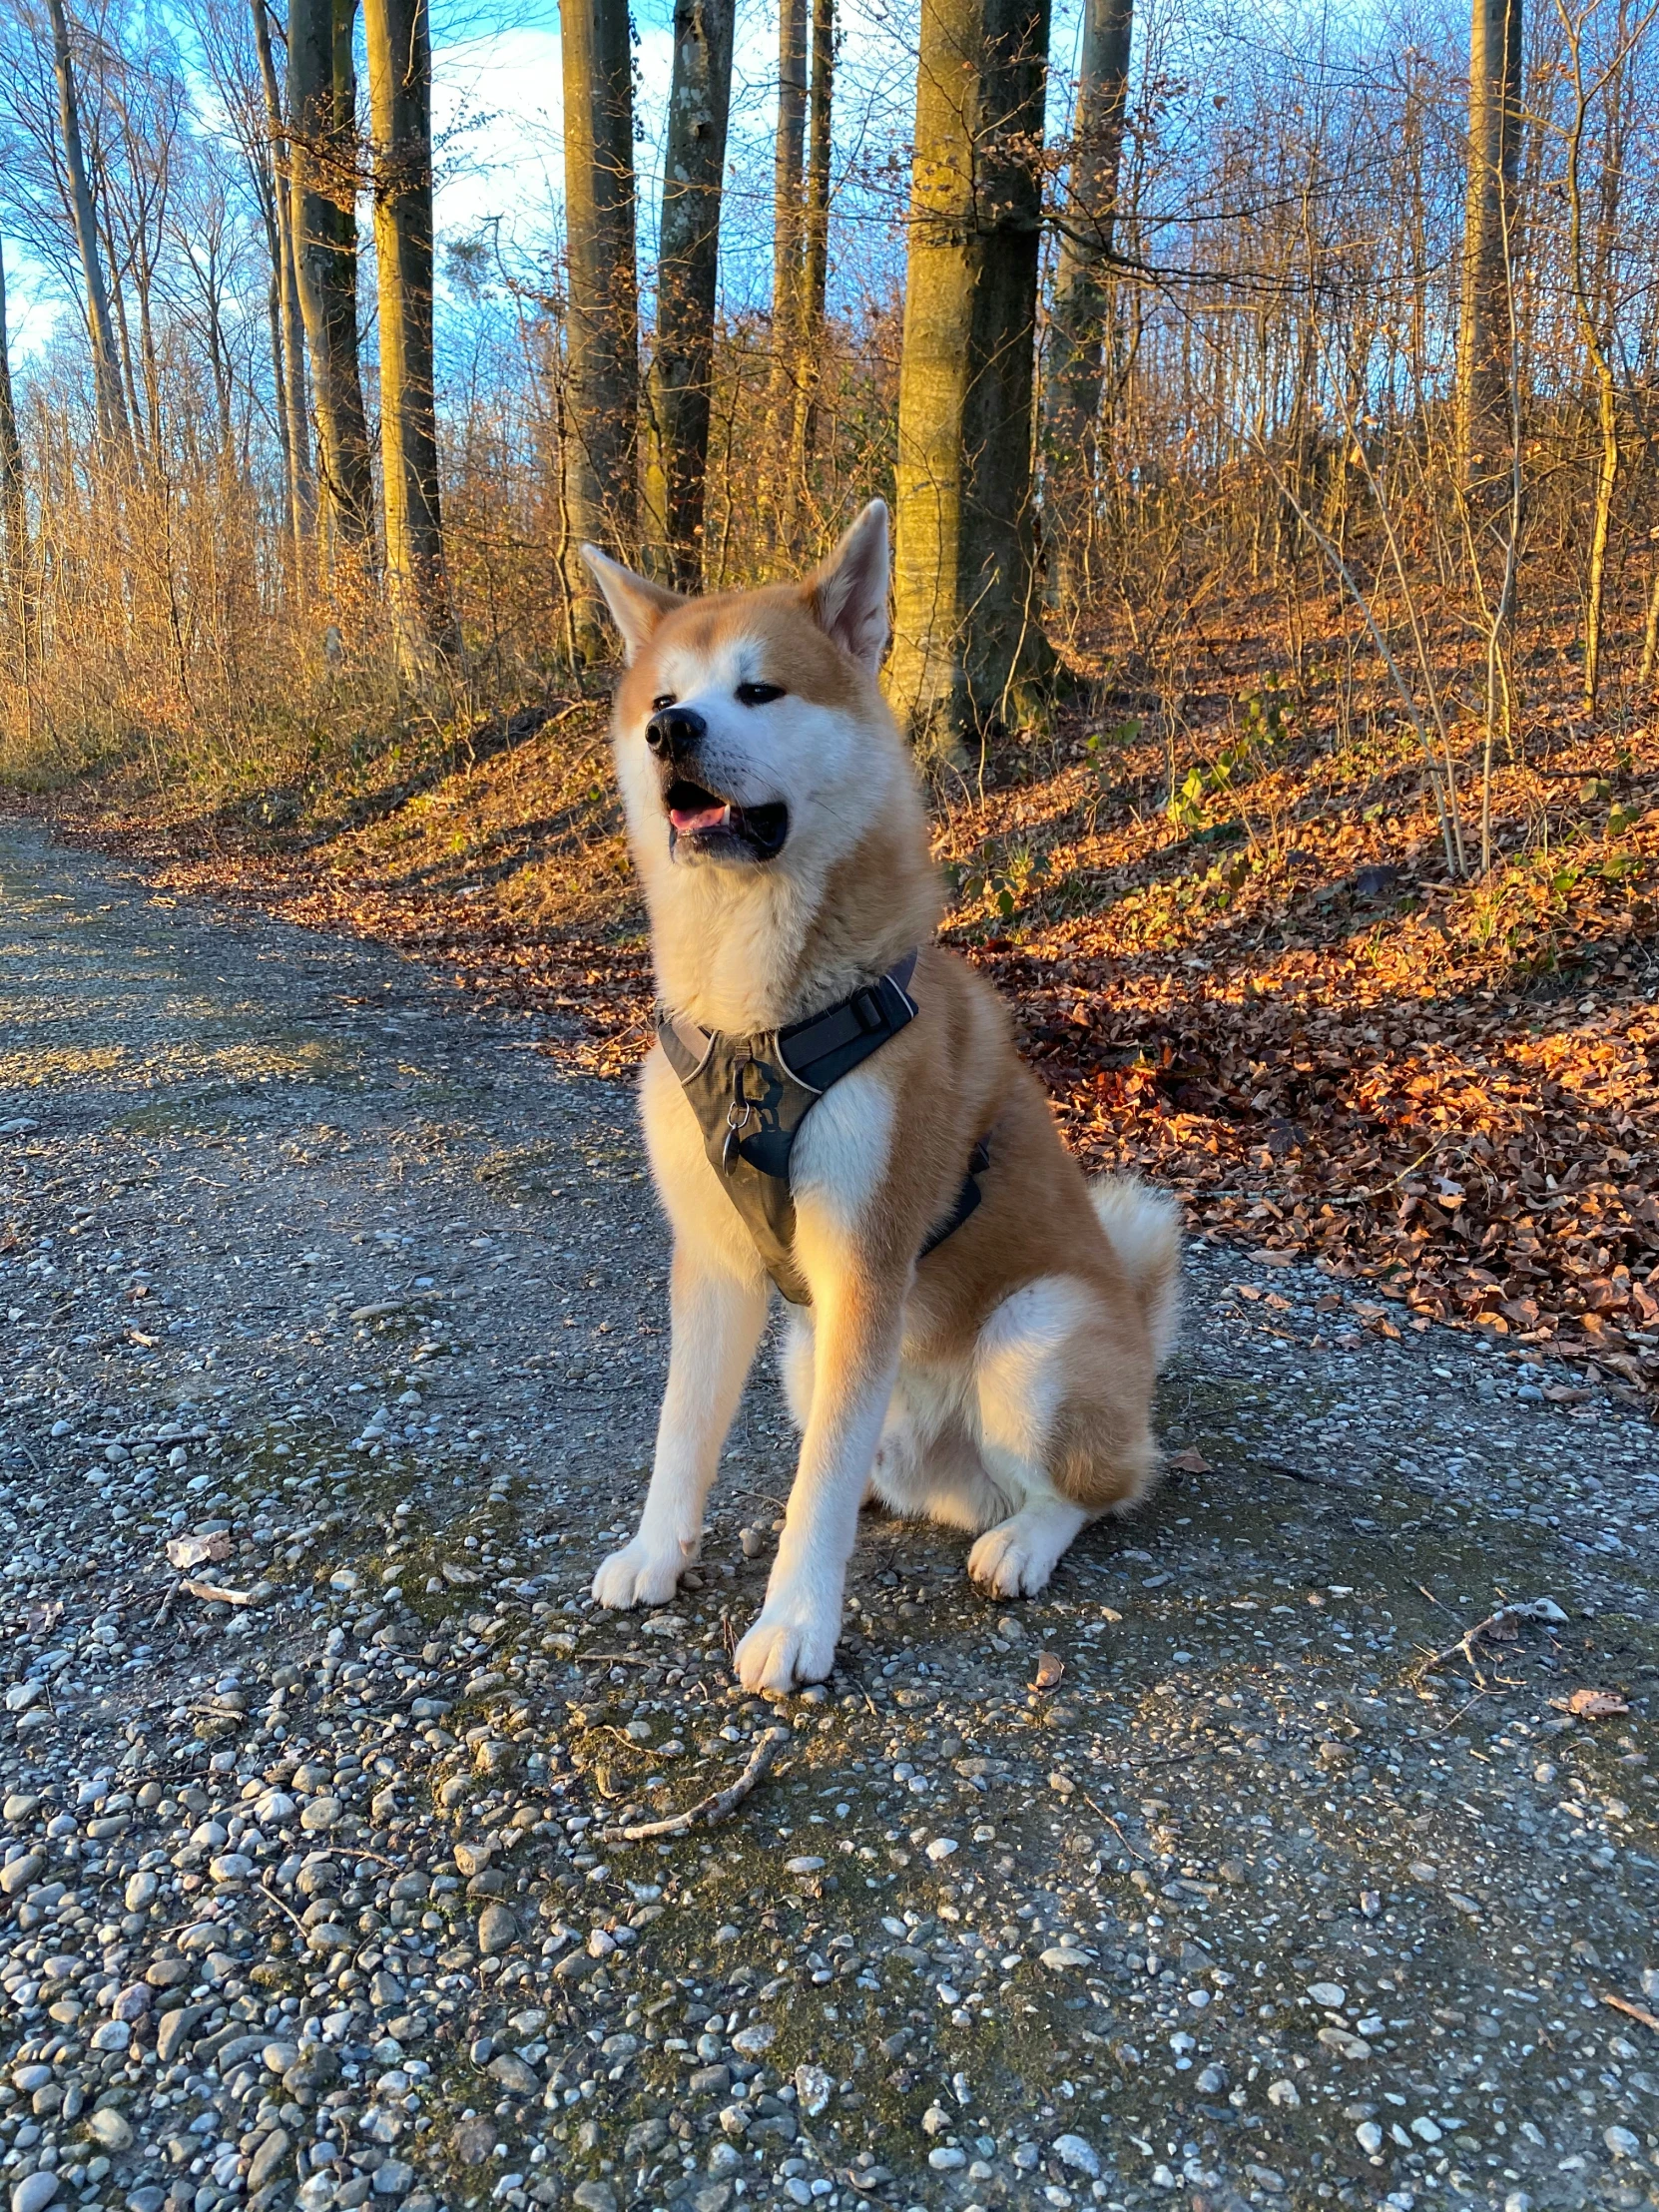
835,1103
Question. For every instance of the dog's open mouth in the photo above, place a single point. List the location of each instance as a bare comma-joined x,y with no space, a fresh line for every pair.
699,818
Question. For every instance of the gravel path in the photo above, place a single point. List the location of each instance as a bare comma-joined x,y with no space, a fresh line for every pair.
347,1295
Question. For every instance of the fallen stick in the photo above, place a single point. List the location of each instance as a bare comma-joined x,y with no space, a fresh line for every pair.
1636,2012
216,1593
710,1809
1540,1609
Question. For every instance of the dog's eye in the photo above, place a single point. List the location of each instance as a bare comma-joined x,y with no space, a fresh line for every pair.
662,699
758,695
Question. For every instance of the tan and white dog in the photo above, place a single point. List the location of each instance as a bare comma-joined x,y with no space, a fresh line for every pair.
1000,1385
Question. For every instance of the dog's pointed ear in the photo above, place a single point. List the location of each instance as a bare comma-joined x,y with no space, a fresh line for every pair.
848,593
637,605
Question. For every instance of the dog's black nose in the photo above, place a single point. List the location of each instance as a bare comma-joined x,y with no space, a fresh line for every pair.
673,732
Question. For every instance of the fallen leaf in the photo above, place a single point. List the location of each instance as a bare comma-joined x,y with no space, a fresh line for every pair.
1189,1463
184,1552
1591,1705
1051,1668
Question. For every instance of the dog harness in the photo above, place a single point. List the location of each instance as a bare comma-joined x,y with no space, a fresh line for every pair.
751,1095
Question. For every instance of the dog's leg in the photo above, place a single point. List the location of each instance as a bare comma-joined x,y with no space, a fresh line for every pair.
716,1322
855,1342
1025,1367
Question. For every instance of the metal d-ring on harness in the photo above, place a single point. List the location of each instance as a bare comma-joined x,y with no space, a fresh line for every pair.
751,1095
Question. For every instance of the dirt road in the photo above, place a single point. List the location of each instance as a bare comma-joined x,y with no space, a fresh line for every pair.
357,1301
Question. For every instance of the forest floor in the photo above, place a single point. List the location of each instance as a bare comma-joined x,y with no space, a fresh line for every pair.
348,1289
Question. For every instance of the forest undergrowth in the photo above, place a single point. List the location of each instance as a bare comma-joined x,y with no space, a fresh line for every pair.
1239,958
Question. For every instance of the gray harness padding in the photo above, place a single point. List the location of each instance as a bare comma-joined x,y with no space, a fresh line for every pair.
751,1095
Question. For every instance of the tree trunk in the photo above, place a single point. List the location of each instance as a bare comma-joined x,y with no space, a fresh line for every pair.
789,269
967,649
1077,355
688,266
322,141
290,329
400,103
601,446
809,366
1485,332
14,512
106,366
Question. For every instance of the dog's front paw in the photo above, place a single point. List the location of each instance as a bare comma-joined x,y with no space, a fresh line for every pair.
1002,1564
638,1575
787,1648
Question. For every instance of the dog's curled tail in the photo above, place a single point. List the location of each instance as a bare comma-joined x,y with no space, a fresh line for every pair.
1144,1229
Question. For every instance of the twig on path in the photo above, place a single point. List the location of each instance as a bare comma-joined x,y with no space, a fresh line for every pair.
1113,1826
167,1602
1635,2011
266,1891
710,1809
1540,1609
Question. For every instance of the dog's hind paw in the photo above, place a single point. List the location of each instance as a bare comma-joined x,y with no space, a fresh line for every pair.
780,1653
637,1575
1002,1567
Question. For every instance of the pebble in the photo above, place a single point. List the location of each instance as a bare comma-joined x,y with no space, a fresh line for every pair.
497,1930
35,2191
269,2159
813,2088
1077,2153
108,2127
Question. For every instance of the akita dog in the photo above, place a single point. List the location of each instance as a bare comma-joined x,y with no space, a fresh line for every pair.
834,1104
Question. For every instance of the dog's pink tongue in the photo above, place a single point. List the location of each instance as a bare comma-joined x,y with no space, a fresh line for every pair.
686,820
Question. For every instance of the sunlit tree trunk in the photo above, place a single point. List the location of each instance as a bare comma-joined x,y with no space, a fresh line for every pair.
1485,332
106,366
968,653
788,270
1077,341
808,368
290,331
688,264
602,434
400,105
14,512
323,127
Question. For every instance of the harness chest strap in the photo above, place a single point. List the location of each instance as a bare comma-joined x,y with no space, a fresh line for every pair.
751,1095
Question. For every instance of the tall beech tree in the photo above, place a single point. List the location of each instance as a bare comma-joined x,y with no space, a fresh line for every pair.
788,234
602,396
814,257
968,647
324,166
1077,318
288,352
400,50
14,505
113,420
688,268
1487,325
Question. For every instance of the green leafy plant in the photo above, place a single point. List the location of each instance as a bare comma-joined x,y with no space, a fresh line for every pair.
1002,885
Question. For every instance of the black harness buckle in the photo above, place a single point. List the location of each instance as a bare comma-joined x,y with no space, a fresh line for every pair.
868,1010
